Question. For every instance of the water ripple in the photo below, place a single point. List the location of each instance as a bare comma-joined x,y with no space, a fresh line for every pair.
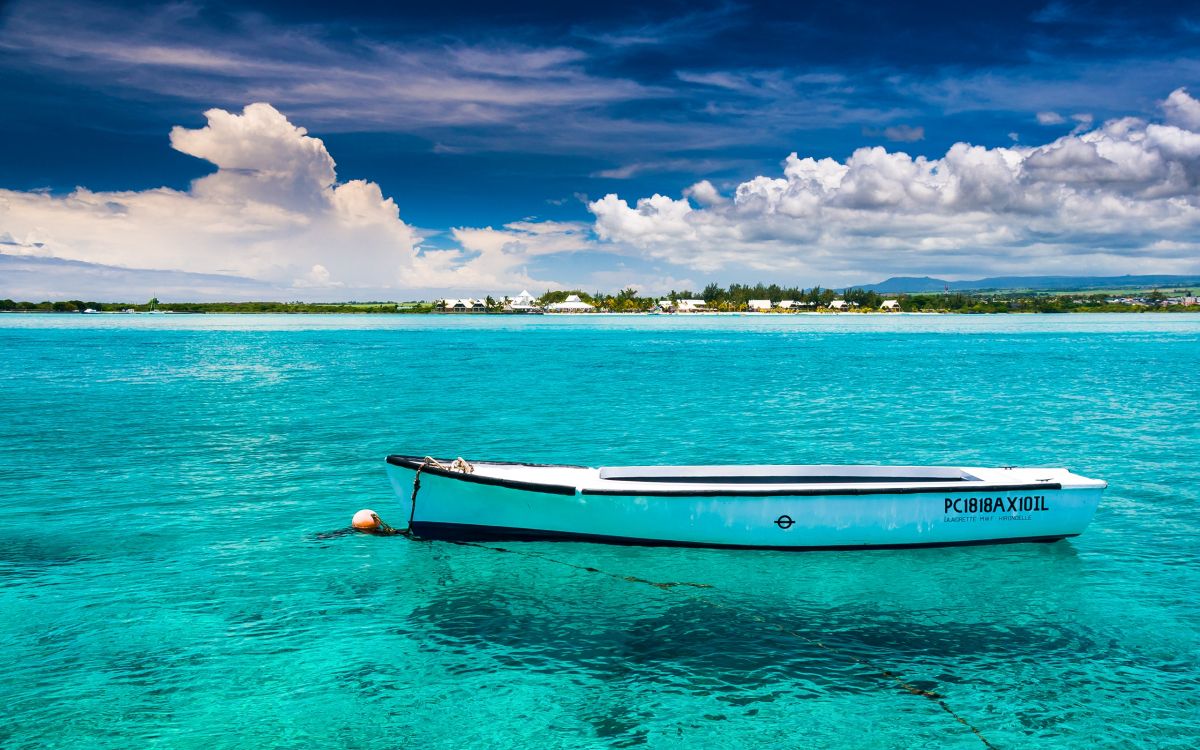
166,575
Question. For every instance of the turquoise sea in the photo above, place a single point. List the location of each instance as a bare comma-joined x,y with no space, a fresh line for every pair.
169,576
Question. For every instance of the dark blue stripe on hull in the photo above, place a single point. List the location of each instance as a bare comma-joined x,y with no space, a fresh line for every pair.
465,532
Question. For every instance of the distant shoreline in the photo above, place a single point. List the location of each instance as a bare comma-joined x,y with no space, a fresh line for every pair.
713,300
638,313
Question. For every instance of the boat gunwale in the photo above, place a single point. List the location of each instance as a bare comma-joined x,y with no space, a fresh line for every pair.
415,462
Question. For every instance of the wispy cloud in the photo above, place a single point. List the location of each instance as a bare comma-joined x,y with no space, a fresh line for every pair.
904,133
767,83
898,133
523,94
1053,12
586,91
332,78
783,100
692,166
687,27
1108,86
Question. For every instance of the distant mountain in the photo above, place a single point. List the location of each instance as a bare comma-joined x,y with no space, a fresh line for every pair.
910,284
915,284
35,278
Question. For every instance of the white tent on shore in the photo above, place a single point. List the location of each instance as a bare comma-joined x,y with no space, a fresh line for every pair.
571,304
522,302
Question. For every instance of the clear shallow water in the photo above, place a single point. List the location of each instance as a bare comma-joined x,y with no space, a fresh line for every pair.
167,480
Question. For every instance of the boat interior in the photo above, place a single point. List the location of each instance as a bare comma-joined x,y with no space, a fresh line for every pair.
824,474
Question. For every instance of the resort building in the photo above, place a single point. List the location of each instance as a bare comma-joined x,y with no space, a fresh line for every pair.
523,302
890,305
665,305
759,305
571,304
690,305
837,304
787,304
466,305
1185,301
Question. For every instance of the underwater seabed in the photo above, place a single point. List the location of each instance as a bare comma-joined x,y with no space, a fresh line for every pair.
784,641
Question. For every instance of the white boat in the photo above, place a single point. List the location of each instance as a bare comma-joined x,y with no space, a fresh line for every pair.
792,507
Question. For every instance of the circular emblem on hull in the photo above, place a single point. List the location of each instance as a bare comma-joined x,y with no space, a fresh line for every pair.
784,522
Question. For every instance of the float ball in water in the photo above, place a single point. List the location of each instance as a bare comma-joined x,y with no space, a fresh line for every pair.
366,520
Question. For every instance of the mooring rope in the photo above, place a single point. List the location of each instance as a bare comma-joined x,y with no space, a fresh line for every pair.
459,464
931,695
412,503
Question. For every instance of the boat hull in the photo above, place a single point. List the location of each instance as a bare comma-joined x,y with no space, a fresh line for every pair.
466,508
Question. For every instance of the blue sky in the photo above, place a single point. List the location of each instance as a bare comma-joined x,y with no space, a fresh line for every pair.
523,119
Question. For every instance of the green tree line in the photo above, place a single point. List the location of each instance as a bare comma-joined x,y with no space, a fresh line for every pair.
734,298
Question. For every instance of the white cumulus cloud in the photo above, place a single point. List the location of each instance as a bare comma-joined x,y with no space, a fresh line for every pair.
273,211
704,193
486,258
1182,110
1121,198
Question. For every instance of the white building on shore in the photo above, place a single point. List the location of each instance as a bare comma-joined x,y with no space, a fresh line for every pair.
465,305
523,302
890,305
691,305
759,305
571,304
837,304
